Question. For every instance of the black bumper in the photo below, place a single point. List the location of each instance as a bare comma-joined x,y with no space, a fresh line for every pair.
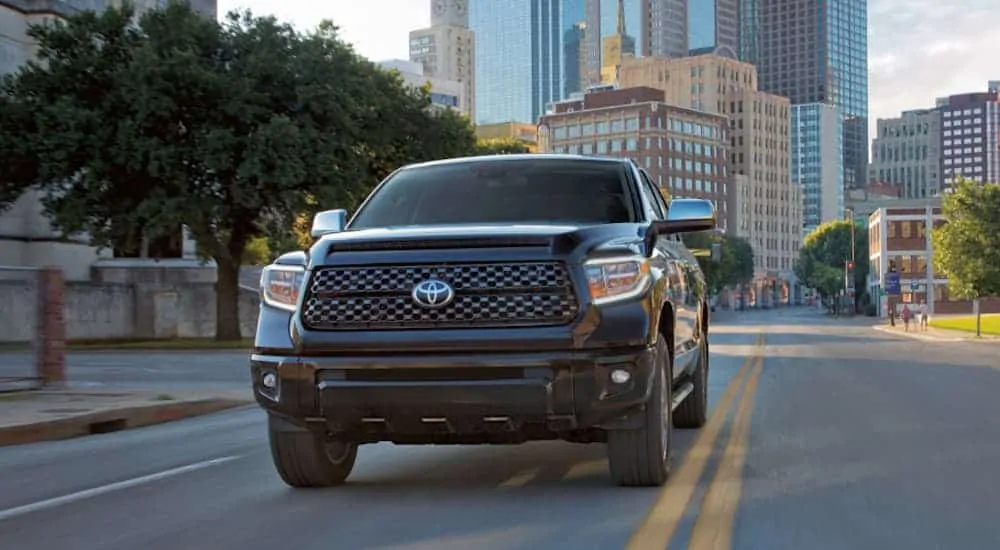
455,398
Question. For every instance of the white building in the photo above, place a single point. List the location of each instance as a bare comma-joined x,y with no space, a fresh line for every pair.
446,49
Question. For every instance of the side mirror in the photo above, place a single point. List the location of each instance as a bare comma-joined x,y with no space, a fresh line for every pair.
329,221
687,216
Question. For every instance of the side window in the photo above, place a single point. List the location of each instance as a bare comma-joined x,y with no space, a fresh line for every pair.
650,194
655,191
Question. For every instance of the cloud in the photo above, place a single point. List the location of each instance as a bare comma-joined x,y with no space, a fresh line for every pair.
920,50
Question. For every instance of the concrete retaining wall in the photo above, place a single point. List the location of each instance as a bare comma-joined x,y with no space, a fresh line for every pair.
104,310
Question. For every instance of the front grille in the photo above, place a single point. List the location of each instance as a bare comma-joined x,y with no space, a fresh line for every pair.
486,295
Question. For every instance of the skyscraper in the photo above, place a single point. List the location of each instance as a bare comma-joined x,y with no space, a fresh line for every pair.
713,27
815,51
520,56
616,47
659,27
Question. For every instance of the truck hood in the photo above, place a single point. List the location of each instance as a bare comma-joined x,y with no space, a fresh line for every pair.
558,239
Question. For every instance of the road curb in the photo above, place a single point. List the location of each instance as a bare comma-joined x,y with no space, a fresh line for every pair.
917,336
111,420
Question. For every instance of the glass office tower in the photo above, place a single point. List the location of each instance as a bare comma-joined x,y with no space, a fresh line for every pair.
814,51
713,27
520,56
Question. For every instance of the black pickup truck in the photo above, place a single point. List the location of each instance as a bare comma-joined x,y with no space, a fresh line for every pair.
496,299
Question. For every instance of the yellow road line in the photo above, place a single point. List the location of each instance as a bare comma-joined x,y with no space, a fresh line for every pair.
713,530
587,469
660,524
520,479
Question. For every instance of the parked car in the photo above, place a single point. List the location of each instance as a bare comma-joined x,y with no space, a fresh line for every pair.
497,299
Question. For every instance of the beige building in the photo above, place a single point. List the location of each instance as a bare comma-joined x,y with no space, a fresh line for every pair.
907,152
447,50
768,203
683,151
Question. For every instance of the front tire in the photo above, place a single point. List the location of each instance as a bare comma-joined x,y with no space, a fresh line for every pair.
693,411
641,457
305,459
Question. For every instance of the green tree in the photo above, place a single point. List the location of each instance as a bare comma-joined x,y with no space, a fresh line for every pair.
733,265
967,246
230,128
502,146
824,255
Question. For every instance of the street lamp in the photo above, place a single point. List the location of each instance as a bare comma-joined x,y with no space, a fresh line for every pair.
849,275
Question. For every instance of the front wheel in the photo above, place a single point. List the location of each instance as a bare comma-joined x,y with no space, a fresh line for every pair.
641,457
305,459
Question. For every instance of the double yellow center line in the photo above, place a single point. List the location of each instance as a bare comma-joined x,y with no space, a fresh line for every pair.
717,514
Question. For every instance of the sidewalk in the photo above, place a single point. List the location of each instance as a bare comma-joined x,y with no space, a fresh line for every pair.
44,415
934,334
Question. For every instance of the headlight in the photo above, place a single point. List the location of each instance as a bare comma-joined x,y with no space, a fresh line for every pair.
280,286
616,279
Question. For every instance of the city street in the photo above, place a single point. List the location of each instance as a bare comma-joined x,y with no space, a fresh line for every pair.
842,437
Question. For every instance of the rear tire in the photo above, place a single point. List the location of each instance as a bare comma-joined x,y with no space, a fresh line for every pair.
693,411
304,459
641,457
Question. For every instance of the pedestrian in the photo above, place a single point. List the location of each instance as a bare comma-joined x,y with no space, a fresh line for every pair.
924,315
906,315
892,315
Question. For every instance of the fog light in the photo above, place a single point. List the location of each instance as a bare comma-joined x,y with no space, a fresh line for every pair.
270,381
620,376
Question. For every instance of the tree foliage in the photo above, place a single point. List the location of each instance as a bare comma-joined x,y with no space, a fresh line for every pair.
825,252
735,264
967,246
502,146
235,129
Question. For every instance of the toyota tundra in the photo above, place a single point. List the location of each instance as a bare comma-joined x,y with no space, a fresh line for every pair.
495,299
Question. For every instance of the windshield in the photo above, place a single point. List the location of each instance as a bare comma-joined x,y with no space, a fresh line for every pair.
501,191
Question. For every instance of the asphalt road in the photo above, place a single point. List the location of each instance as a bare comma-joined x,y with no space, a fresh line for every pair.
842,438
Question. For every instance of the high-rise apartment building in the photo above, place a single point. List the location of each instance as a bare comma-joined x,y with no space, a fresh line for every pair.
817,156
446,49
815,51
765,201
970,135
658,27
684,151
520,62
906,153
713,27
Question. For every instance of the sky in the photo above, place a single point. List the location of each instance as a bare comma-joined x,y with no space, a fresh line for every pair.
919,50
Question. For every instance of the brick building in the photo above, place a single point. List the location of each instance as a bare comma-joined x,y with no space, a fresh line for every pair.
900,236
684,151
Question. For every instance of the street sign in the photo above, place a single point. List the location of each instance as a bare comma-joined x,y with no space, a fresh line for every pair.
892,283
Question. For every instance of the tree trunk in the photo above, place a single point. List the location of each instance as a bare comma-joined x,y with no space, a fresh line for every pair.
979,317
227,300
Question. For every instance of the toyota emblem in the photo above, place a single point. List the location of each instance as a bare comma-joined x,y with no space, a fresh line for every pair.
433,293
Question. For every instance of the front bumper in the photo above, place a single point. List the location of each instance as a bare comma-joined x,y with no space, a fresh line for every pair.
444,398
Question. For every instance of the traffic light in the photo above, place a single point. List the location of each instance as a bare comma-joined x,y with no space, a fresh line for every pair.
850,264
